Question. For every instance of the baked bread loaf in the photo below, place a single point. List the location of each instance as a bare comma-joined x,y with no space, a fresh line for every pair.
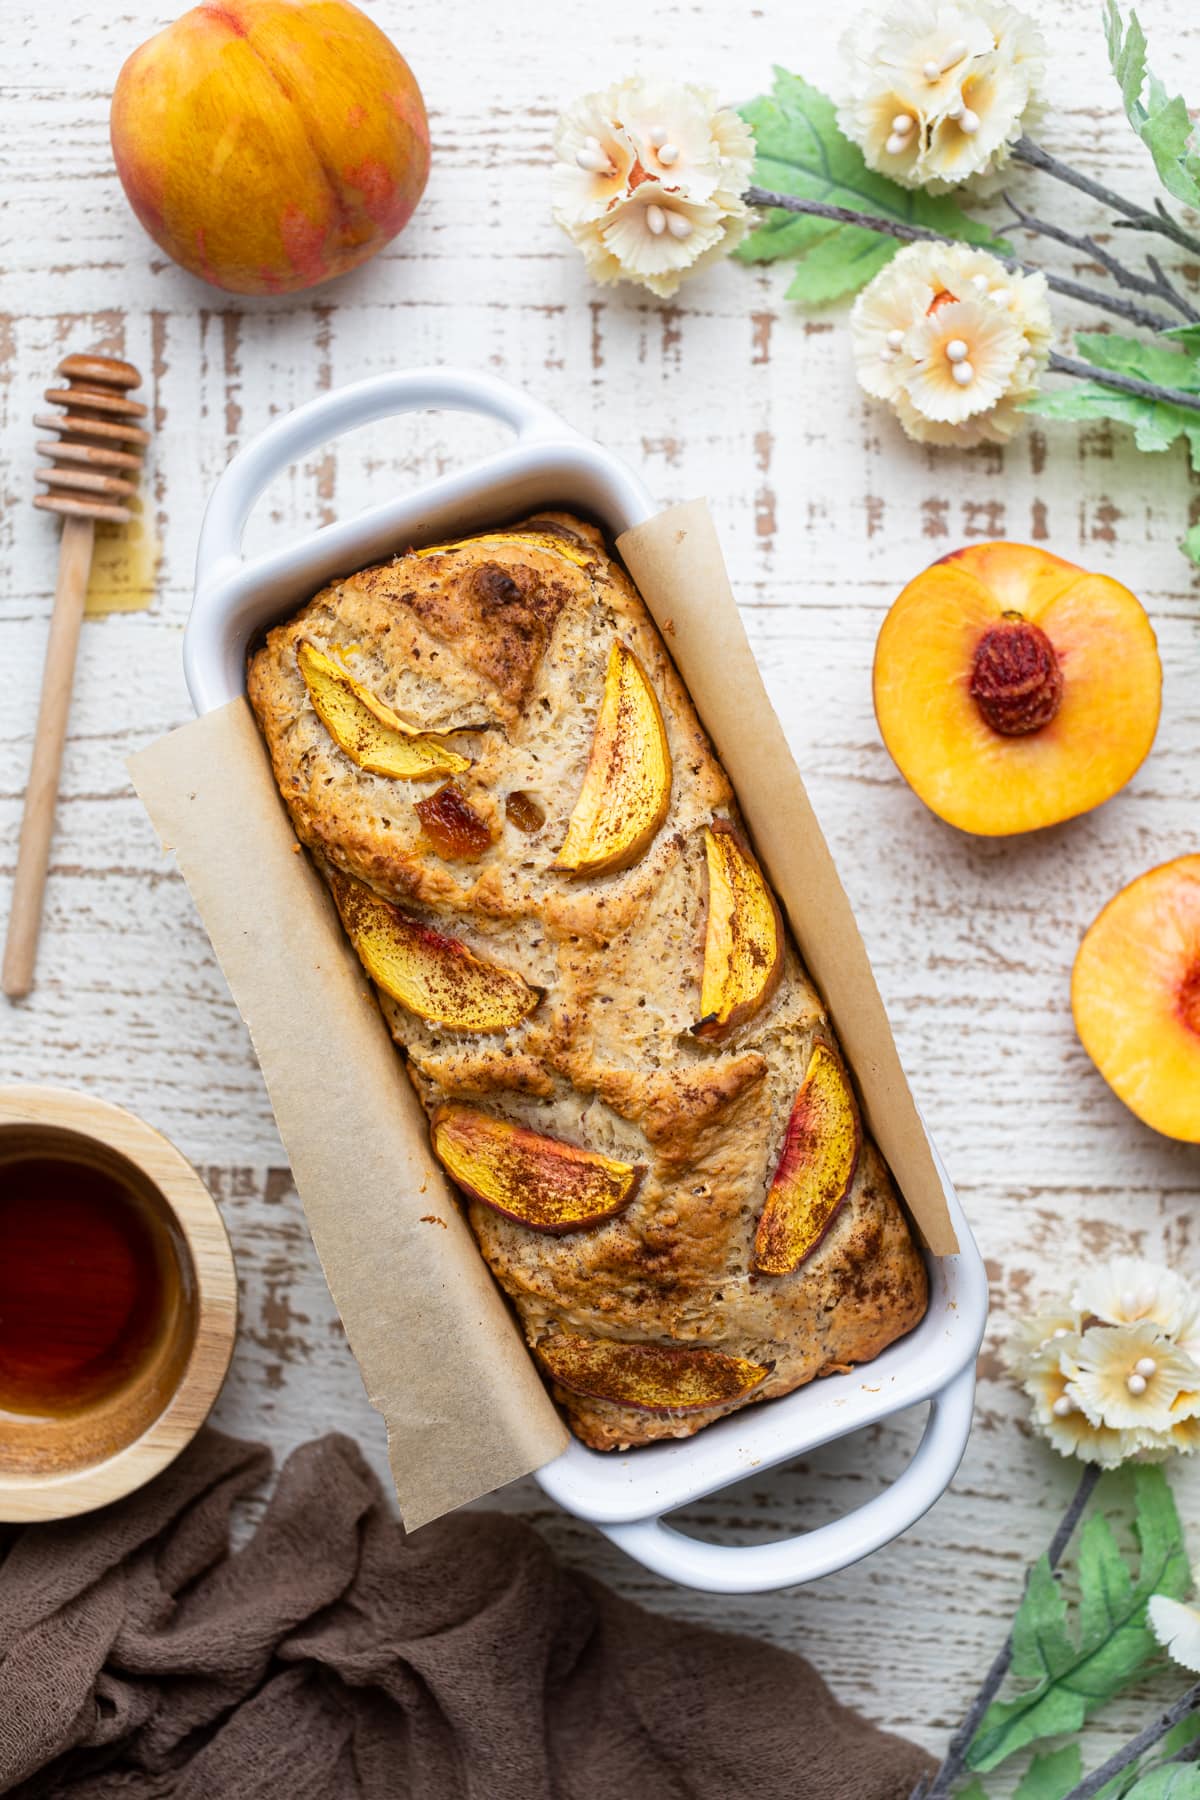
487,749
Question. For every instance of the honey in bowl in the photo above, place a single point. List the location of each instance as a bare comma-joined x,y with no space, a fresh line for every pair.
96,1308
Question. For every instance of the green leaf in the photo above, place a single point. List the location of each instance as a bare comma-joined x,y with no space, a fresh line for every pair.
1068,1668
1190,544
1186,1732
1051,1777
1126,53
1161,121
1180,1781
801,151
1041,1639
839,264
1156,424
1135,356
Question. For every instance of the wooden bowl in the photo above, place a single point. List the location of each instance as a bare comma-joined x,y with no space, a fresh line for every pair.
54,1464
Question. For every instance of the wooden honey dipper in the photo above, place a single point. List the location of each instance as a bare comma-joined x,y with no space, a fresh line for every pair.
96,460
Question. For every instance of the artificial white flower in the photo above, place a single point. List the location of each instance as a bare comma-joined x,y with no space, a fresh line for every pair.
1110,1390
995,427
1177,1627
1061,1420
971,139
891,130
926,46
594,158
648,181
1128,1290
953,340
1132,1378
1184,1436
1038,1332
882,318
939,90
964,355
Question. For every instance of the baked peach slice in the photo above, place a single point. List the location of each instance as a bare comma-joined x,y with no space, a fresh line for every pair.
816,1169
434,976
539,1181
653,1377
1015,690
627,783
1135,993
367,729
743,941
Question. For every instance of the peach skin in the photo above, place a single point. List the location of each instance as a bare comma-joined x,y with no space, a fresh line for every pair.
1015,690
1135,994
267,145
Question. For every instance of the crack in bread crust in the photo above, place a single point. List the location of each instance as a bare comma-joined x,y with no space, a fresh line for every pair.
501,645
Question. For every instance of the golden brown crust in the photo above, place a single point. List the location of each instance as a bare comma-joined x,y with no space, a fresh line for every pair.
501,645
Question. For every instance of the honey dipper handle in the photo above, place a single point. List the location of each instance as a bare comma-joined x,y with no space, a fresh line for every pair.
37,825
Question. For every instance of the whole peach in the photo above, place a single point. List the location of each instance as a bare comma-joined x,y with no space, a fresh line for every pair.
268,145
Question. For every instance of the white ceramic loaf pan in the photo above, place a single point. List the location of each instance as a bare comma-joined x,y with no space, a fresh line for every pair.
549,464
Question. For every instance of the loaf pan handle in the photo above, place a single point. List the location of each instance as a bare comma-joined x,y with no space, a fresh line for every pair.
298,433
756,1568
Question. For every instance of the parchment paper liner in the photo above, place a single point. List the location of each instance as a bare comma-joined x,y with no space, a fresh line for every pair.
440,1355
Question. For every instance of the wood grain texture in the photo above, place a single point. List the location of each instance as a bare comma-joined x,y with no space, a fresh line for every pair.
825,512
45,762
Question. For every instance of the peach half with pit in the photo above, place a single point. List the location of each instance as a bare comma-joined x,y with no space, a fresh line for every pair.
1015,690
1135,994
815,1170
539,1181
627,783
436,977
652,1377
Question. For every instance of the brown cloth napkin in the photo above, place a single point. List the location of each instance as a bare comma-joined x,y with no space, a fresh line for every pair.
331,1657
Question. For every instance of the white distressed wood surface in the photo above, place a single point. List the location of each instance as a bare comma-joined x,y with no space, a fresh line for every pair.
825,511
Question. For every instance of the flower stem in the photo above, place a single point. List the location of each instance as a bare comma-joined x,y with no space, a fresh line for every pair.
1130,310
1161,287
1137,1746
1125,384
955,1760
1160,220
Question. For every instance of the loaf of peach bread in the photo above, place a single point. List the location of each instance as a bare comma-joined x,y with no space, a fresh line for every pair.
627,1071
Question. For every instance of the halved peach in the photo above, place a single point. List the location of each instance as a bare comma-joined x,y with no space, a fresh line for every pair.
436,977
452,825
367,729
1015,690
539,1181
815,1170
1135,993
652,1377
627,783
743,942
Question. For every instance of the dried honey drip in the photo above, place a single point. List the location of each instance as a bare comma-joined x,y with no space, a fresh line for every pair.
524,812
452,825
1016,682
